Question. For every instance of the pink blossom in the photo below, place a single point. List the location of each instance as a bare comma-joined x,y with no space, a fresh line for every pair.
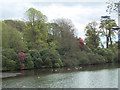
22,68
22,64
21,57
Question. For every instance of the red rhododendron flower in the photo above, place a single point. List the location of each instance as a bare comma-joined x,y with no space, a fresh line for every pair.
21,57
22,64
22,68
81,43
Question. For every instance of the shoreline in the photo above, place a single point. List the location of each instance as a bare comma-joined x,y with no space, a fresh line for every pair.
7,74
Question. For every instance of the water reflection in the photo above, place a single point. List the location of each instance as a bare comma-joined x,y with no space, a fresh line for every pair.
96,76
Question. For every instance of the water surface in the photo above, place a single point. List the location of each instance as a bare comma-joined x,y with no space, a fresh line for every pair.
95,76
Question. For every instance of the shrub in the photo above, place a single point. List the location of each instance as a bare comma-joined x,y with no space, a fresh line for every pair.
115,50
34,53
106,53
48,62
8,64
56,65
69,62
4,62
84,58
28,62
96,59
36,58
38,63
10,54
50,57
11,64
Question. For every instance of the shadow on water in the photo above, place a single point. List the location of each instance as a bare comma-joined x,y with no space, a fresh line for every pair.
92,76
82,68
75,69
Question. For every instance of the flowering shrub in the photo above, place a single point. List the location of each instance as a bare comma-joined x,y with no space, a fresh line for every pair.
21,56
81,43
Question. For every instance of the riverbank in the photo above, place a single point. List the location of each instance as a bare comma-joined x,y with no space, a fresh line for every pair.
94,76
7,74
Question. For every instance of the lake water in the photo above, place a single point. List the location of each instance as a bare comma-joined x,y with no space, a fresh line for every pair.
95,76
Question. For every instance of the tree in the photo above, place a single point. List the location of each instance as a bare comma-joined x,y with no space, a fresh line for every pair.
11,37
68,46
112,5
19,25
36,32
92,35
35,17
106,27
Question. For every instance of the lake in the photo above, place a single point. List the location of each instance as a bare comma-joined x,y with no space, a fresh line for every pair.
94,76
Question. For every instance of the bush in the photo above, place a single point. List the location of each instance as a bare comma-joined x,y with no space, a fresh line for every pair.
48,62
4,62
96,59
84,58
106,53
38,63
34,53
69,62
10,54
90,58
8,64
10,59
28,62
56,65
50,57
36,58
11,64
115,50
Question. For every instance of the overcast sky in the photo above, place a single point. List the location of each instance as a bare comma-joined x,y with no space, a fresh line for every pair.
81,12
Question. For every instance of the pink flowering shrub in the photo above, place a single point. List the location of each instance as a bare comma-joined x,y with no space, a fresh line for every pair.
81,43
21,57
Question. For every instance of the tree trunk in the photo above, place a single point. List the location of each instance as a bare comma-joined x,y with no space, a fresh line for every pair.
111,41
110,38
107,40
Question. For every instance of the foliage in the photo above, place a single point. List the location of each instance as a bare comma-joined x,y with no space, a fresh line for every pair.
56,65
33,15
68,44
11,37
106,28
106,53
19,25
10,54
37,28
115,51
96,59
36,43
112,6
28,62
50,57
8,64
36,58
92,40
91,58
84,58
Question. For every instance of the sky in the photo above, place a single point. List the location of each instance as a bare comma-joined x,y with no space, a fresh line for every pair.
81,12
